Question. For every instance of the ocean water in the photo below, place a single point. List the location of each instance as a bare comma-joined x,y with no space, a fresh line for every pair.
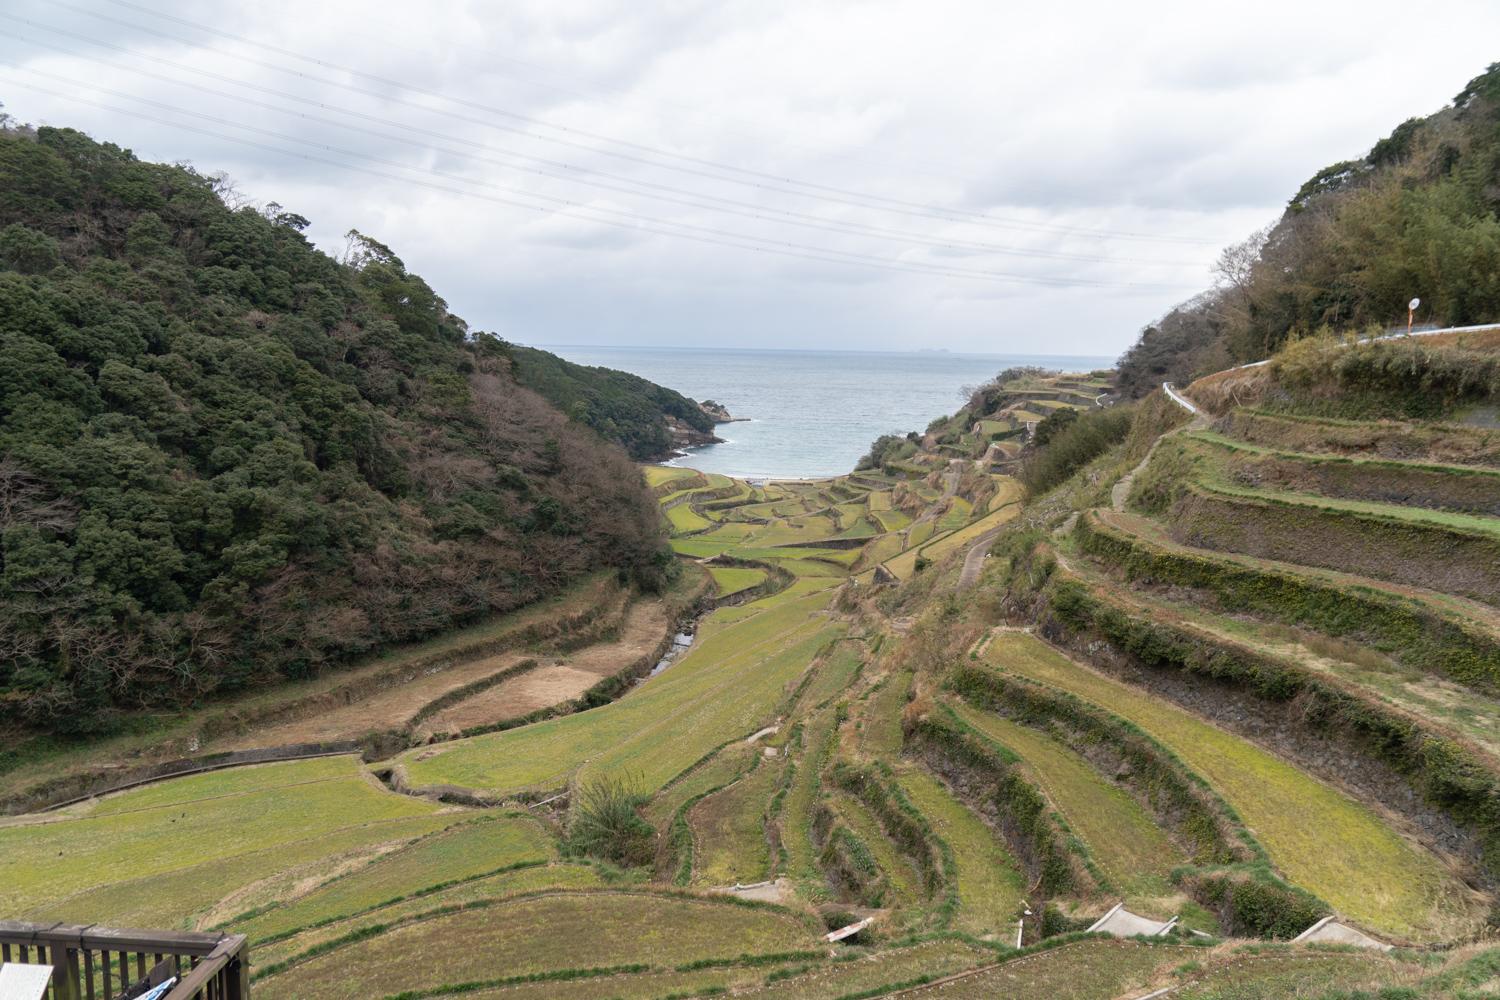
811,413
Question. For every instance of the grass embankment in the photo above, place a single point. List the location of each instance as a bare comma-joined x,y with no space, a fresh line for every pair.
1122,839
1383,438
166,853
1458,488
1320,838
539,935
1425,629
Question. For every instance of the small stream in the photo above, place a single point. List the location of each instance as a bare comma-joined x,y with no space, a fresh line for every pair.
681,643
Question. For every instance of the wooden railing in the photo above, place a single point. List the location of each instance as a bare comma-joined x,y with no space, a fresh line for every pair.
104,963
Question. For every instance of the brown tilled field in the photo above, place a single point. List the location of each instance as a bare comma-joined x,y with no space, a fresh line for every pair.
645,627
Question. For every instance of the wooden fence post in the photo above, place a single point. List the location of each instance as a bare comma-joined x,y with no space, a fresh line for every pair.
62,941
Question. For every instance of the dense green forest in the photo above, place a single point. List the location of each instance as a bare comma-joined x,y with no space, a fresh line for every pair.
1415,216
227,457
624,408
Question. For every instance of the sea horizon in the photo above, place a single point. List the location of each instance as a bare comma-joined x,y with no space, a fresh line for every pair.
809,413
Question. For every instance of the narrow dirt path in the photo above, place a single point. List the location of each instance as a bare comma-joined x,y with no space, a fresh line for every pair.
974,561
1120,492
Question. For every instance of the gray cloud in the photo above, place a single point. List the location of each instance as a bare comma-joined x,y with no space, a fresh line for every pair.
866,135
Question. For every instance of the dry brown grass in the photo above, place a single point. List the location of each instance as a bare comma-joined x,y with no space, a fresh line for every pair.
1222,391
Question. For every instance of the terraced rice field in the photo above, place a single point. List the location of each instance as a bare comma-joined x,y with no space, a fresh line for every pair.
546,933
964,537
166,854
1469,523
802,796
956,516
880,722
1124,841
990,884
729,683
1275,976
1442,703
891,520
898,873
1088,970
865,975
733,579
723,767
1153,536
989,428
835,674
357,903
904,566
642,629
527,881
660,475
729,830
459,853
684,519
1320,838
827,980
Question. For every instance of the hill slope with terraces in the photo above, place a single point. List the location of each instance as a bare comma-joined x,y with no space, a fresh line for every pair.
1066,695
1136,702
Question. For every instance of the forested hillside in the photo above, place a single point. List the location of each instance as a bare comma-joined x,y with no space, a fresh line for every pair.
226,457
1415,216
622,407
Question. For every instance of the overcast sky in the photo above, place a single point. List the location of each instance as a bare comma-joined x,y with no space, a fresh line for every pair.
964,174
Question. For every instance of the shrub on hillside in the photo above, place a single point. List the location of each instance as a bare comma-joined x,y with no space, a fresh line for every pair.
1054,424
887,448
607,825
1254,905
1405,376
1074,446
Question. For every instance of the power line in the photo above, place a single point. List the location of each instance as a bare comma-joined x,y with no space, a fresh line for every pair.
584,175
753,178
698,234
595,92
